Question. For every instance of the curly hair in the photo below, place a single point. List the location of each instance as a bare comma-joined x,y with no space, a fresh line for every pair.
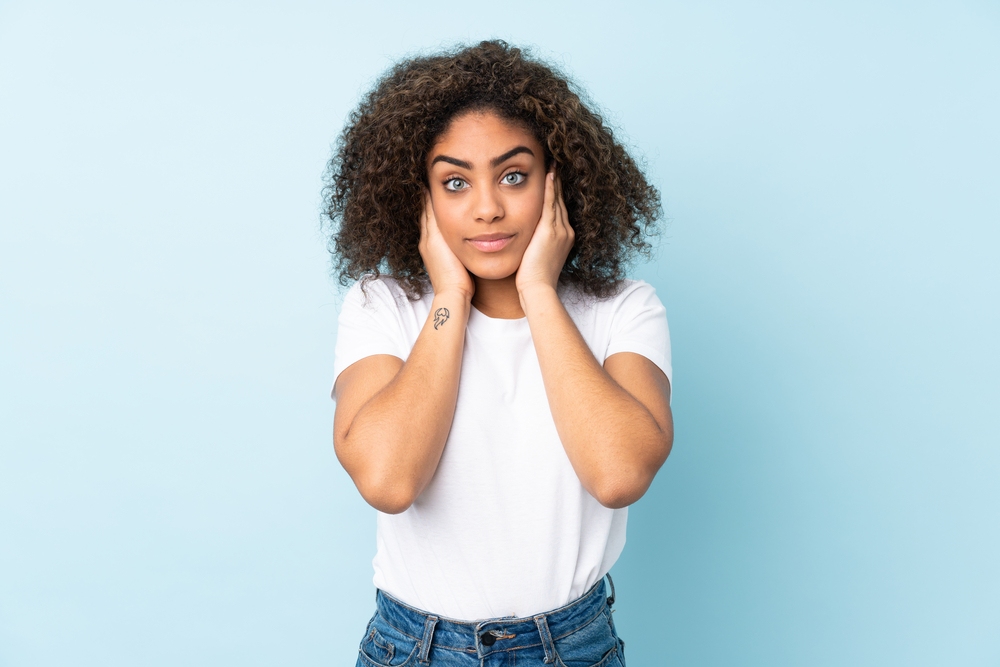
374,182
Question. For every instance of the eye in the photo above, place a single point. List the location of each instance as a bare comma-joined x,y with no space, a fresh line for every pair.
514,178
455,184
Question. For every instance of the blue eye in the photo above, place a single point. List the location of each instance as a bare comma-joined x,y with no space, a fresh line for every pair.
455,184
514,178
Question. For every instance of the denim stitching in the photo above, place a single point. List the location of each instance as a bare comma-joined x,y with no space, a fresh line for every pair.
473,626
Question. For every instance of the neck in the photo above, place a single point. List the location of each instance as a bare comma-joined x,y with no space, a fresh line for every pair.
498,298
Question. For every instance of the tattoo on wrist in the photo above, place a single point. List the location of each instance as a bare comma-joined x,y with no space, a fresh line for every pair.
440,317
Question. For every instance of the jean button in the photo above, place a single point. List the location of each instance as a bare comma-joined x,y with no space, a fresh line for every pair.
488,639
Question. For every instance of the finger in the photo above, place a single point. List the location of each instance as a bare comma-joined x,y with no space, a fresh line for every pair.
554,202
423,215
550,193
431,218
561,203
557,185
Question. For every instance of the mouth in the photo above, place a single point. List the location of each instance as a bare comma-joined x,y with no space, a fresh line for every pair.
491,242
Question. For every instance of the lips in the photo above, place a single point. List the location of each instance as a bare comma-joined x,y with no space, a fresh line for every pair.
491,242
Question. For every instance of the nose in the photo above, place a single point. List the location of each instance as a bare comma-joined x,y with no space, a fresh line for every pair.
488,205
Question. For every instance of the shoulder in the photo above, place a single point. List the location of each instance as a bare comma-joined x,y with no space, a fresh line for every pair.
378,293
638,294
631,289
628,295
376,318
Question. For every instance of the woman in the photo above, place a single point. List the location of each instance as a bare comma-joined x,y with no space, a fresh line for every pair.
502,391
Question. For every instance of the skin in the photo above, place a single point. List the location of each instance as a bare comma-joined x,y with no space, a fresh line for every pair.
498,242
477,199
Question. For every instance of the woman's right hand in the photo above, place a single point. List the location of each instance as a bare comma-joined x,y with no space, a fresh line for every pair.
393,417
445,270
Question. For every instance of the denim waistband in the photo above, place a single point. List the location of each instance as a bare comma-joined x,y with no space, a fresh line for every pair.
483,637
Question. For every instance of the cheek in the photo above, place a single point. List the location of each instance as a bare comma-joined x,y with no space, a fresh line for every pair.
529,208
536,212
448,221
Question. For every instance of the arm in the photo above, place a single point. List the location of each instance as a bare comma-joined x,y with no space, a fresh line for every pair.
392,418
614,421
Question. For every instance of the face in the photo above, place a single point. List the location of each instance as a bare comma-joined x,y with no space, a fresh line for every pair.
487,184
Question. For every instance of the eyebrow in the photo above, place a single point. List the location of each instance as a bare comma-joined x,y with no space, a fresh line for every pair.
509,154
493,163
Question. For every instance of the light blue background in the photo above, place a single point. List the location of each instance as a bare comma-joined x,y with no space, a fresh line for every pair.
831,174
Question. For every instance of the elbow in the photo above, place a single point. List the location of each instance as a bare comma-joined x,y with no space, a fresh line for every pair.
389,503
383,487
616,493
627,484
387,495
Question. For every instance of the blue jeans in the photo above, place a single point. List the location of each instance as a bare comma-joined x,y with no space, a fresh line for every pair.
581,634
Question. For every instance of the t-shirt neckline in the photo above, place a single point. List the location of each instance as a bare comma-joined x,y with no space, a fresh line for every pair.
479,319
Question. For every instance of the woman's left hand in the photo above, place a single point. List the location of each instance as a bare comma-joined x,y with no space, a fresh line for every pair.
550,244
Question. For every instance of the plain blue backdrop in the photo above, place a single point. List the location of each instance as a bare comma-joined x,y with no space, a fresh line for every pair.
830,175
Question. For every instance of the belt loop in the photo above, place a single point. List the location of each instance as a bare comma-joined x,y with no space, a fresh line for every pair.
543,630
425,643
611,598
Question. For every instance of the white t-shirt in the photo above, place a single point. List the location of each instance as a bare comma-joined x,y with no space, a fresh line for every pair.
504,528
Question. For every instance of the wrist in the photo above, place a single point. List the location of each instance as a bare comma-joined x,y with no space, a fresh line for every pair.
453,295
449,311
536,294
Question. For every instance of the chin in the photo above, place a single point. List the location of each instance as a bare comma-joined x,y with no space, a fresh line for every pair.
493,271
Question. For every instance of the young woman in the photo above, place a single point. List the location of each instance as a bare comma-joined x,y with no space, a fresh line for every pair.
502,390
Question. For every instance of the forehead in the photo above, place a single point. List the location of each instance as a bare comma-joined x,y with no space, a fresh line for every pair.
482,134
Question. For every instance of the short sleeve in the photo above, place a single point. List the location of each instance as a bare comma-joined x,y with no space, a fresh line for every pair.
368,325
639,325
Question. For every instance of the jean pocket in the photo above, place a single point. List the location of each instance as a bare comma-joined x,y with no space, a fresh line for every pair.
593,645
384,646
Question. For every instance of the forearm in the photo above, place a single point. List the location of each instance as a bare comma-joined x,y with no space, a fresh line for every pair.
612,440
392,446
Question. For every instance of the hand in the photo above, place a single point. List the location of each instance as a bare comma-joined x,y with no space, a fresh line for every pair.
444,269
550,244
